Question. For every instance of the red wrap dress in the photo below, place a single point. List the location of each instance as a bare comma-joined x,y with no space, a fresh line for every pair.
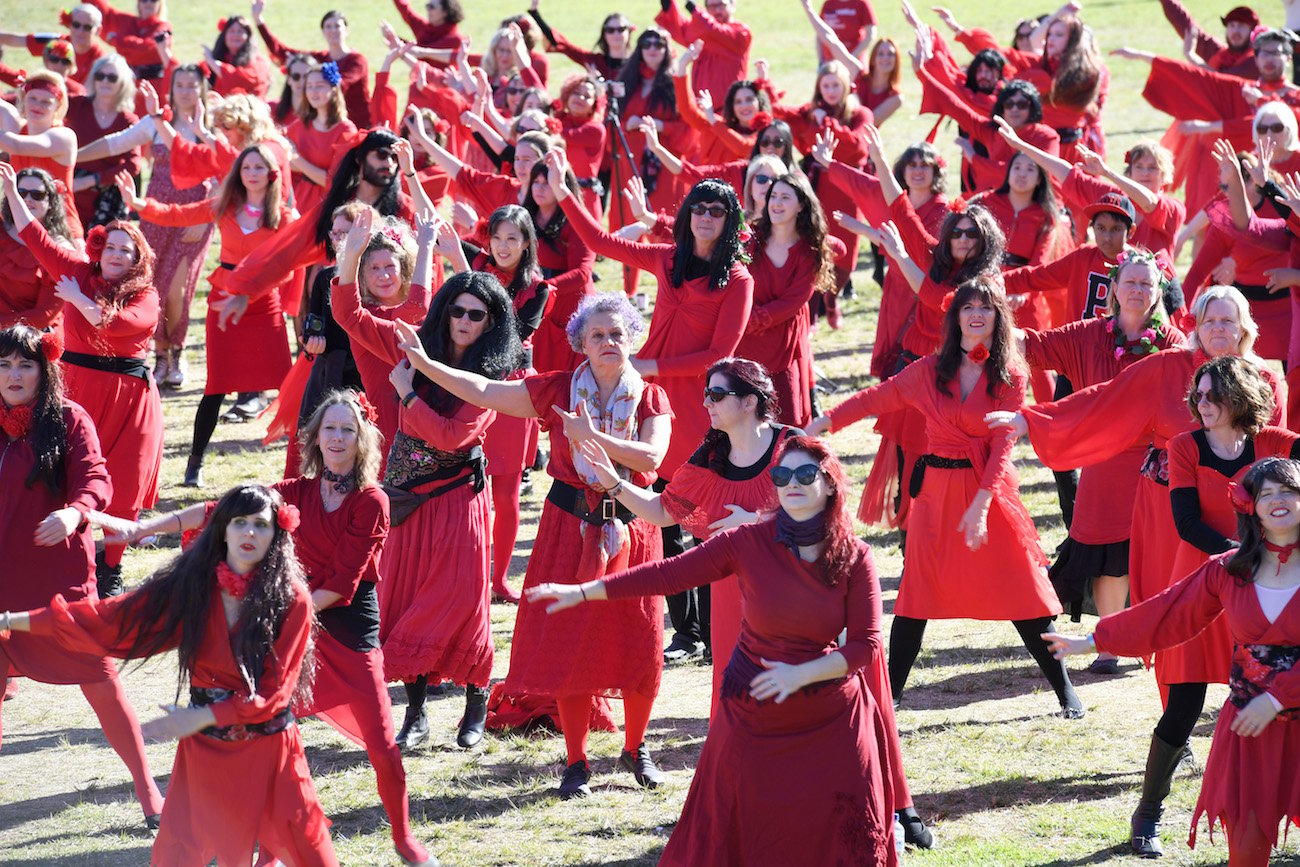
820,755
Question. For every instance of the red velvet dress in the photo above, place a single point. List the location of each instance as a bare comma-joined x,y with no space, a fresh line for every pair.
317,148
726,47
38,573
354,72
27,292
253,353
567,264
821,755
1243,775
81,120
1192,465
692,326
126,409
224,796
1005,578
1146,402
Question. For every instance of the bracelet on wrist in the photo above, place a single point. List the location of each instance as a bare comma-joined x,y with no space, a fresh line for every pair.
409,174
615,490
410,396
581,590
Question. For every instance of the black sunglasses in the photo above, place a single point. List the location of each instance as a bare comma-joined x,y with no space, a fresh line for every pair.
516,91
36,195
804,475
1017,103
768,142
110,77
455,311
973,233
77,25
62,61
610,31
1275,128
297,76
717,394
717,212
764,179
653,43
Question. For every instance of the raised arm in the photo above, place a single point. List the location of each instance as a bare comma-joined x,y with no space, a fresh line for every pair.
644,256
1053,165
510,397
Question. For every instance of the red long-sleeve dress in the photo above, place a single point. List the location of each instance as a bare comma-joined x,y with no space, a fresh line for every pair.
714,142
822,749
1005,578
584,145
1156,229
354,73
317,148
1144,403
81,120
1029,233
663,189
1243,775
726,46
224,796
253,353
428,35
134,37
692,327
1193,465
253,78
27,292
125,407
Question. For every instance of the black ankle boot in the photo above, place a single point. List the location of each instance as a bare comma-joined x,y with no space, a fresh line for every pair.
194,472
1162,760
108,579
472,724
415,728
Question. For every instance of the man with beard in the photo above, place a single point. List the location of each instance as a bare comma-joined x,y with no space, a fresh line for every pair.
1232,56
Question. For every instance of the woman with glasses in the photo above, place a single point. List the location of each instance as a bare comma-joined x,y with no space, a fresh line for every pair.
565,666
320,131
27,294
353,68
612,47
136,37
107,109
795,705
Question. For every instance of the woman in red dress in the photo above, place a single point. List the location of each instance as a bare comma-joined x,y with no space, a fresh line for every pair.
582,126
566,264
247,345
110,312
54,476
237,610
1247,786
43,142
105,110
793,256
235,63
583,533
744,110
612,47
181,251
648,94
353,68
318,134
980,556
440,28
434,593
27,293
795,704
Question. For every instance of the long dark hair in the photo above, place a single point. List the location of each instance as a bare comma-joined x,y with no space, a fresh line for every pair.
1078,78
726,252
746,378
618,18
245,52
498,351
550,233
172,608
284,109
926,153
987,259
56,218
662,95
343,188
841,553
810,226
729,101
527,270
1003,355
1246,559
990,57
49,429
1042,194
787,142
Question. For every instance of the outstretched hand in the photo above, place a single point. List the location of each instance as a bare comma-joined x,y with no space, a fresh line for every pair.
577,425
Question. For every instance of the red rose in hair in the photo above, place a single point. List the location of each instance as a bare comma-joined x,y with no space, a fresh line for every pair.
1242,502
368,409
553,125
96,238
979,354
958,205
288,518
762,120
52,345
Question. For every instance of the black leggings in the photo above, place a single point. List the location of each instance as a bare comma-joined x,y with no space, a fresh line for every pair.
905,644
205,423
1186,701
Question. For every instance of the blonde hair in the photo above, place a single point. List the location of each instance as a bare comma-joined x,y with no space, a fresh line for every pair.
848,103
489,62
369,439
250,115
1158,152
125,79
1249,328
773,164
394,235
60,89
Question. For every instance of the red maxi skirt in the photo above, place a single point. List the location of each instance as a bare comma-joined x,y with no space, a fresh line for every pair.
801,782
128,417
433,592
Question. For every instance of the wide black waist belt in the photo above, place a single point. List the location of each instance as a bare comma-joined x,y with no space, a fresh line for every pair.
202,697
109,364
228,266
939,463
574,501
1070,134
1260,293
1014,260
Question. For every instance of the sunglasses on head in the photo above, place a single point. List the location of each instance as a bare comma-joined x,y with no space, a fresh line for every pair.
36,195
804,475
1022,104
1275,128
110,77
717,212
455,311
717,394
77,25
972,233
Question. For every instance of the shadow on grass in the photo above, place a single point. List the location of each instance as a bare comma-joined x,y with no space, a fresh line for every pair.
1101,856
963,689
115,858
53,804
17,745
1022,791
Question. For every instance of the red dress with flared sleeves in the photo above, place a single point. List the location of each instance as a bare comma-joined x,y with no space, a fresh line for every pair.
253,353
715,142
777,336
819,755
224,796
354,75
253,78
1156,230
1194,466
1004,579
599,650
1029,233
133,36
428,35
27,292
726,47
567,265
692,326
317,148
370,339
1144,403
664,190
1243,775
38,573
125,407
63,176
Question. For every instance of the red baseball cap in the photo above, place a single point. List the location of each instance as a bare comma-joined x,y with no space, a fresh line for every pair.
1112,203
1242,15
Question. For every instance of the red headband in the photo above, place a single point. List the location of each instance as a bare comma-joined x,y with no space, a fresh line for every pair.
54,86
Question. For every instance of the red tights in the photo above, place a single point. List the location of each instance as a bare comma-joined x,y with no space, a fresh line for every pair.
575,712
122,729
1248,846
505,524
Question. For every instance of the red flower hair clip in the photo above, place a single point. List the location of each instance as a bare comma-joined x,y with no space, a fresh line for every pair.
762,120
288,517
221,24
555,106
368,410
553,125
979,354
940,162
52,345
96,239
958,205
441,126
1242,502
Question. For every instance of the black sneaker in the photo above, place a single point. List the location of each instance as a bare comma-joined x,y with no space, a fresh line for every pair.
575,780
915,831
647,773
681,649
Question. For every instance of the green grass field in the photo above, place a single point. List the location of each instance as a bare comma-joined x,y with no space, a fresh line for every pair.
1002,779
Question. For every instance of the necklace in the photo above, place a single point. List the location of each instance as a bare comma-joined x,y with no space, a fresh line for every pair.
342,482
253,211
232,582
1283,552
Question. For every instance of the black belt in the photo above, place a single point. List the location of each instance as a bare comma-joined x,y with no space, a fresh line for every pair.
109,364
228,266
1070,135
1013,260
574,501
202,697
1259,293
918,471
